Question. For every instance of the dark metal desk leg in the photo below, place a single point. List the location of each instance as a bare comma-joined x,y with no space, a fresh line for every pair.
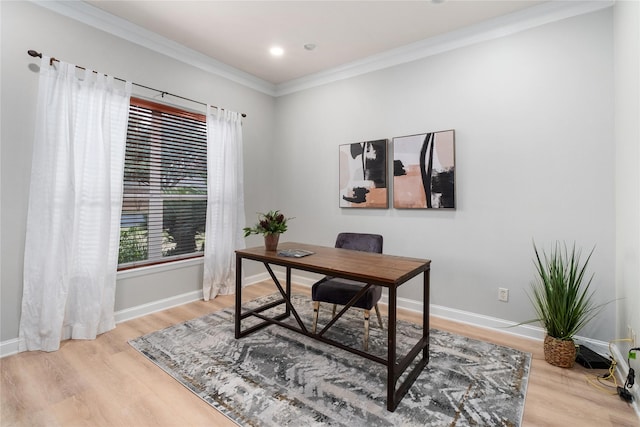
288,291
391,351
238,294
425,312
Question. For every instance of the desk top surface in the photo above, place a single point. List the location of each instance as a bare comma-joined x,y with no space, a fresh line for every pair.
380,269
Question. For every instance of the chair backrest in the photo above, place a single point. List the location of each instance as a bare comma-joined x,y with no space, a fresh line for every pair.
360,242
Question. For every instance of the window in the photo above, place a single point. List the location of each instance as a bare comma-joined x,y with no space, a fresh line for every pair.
165,185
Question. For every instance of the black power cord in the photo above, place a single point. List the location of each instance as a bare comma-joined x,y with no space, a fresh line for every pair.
630,378
623,392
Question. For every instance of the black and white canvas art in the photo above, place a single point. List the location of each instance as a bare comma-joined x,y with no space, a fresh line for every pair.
424,171
363,175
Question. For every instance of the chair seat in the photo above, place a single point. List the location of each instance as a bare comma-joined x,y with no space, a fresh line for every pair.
336,290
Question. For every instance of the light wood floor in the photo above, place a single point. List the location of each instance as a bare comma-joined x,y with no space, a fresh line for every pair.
105,382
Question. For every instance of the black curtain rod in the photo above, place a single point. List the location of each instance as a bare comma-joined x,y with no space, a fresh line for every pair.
36,54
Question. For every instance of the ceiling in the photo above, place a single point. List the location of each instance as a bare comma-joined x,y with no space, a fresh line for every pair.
240,33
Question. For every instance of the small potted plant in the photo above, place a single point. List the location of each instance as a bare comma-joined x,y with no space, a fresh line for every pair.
270,225
563,301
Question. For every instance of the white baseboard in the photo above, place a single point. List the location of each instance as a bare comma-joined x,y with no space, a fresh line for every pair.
10,347
622,369
155,306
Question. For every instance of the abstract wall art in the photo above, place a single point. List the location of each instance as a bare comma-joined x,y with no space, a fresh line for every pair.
363,175
424,171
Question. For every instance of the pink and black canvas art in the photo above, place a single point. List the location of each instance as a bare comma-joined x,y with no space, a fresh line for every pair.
424,171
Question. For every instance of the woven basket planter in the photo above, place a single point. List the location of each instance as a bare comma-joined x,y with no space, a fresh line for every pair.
559,352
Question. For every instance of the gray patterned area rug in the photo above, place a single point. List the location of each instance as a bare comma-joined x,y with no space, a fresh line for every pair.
276,377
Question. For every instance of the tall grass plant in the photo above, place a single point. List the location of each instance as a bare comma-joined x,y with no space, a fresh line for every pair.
561,293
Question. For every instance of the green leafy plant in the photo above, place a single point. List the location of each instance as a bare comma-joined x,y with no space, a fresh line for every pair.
561,293
272,222
133,245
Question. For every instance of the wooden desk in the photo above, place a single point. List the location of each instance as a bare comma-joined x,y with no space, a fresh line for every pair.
376,269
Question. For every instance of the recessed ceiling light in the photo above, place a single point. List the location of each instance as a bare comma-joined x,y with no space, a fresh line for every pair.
276,51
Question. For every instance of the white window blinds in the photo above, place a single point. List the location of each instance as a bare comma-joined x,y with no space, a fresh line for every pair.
165,185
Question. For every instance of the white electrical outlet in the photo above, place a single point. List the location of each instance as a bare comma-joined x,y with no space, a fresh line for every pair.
503,294
631,334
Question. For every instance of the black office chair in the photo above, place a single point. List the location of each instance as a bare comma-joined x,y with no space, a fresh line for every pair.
335,290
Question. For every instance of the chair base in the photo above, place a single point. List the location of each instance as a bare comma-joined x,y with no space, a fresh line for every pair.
316,310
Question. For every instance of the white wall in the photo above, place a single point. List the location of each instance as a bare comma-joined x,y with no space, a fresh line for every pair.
533,115
627,136
27,26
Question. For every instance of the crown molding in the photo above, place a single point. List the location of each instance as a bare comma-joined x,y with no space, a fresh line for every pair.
97,18
512,23
532,17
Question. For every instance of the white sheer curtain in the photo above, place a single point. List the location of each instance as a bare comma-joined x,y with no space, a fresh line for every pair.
225,201
73,221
